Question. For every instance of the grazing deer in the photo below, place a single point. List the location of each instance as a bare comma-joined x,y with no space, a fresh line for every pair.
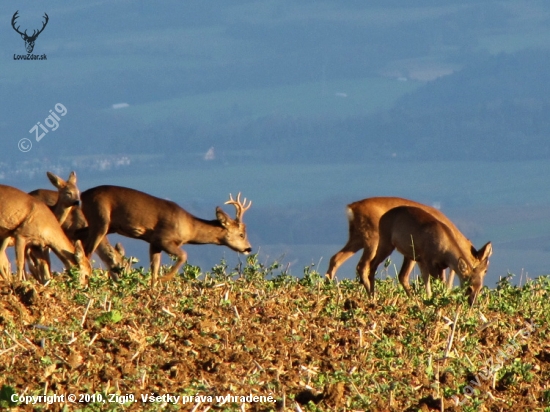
421,237
75,227
68,197
161,223
364,217
31,223
38,258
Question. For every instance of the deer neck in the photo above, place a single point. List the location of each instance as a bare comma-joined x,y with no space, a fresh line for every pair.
452,261
61,246
207,231
61,213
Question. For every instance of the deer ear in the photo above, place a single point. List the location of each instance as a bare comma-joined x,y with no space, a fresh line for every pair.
56,180
485,251
223,218
120,249
463,267
72,178
79,251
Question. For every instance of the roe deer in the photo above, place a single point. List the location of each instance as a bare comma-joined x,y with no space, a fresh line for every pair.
68,197
364,217
76,227
30,222
421,237
161,223
38,258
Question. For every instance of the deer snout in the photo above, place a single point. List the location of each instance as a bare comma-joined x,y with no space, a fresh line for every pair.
247,251
76,203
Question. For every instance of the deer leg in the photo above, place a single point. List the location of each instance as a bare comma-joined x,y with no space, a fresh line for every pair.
95,236
425,271
405,273
181,258
368,264
5,267
38,262
20,245
451,279
365,272
339,258
154,256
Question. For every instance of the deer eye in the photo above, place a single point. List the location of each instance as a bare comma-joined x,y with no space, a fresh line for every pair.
242,235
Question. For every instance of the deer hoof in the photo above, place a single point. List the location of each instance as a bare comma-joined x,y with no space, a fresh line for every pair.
167,277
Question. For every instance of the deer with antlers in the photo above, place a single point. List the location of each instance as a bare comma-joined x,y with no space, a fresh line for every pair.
161,223
29,40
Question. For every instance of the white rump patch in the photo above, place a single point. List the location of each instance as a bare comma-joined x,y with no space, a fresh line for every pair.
349,212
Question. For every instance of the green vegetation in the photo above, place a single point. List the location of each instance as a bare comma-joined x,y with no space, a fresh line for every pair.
255,330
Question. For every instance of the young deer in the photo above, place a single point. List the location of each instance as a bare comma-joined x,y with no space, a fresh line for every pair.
161,223
364,217
67,199
419,236
76,228
31,223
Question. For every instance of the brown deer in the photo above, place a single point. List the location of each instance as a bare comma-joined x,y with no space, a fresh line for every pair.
31,223
421,237
67,198
364,217
75,227
38,258
161,223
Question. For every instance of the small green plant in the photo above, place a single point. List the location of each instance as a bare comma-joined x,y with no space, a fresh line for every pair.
6,393
113,316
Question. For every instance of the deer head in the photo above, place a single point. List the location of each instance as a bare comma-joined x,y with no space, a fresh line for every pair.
475,274
235,230
69,195
29,40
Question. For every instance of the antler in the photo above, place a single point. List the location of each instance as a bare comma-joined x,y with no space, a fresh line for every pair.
34,33
15,16
241,207
43,26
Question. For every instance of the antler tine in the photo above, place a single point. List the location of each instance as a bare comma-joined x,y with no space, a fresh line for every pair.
13,19
240,206
46,18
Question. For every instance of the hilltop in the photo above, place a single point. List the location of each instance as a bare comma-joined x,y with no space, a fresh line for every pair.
256,331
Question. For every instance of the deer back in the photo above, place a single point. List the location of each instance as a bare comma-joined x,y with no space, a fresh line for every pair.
420,236
364,217
16,206
136,214
23,215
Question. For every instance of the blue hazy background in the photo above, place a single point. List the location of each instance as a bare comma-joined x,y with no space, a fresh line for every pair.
302,106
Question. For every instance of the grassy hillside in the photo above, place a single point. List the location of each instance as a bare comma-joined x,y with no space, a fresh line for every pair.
256,331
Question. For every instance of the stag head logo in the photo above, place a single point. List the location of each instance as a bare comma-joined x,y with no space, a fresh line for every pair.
29,40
